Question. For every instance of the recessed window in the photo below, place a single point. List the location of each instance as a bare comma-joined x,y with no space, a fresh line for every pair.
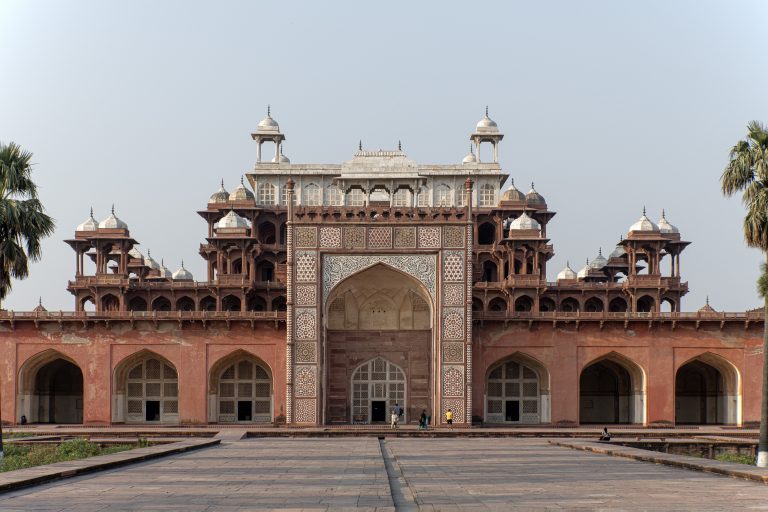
487,195
356,197
312,195
266,194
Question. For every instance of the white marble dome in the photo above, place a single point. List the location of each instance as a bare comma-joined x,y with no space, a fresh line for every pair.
89,224
470,158
584,271
283,159
268,124
665,226
112,222
643,224
164,272
524,221
150,262
486,124
182,274
600,261
566,273
232,220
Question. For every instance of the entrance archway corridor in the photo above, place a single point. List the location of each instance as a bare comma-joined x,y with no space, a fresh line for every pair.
394,474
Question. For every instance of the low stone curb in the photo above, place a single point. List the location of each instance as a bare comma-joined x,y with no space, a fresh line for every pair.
731,469
20,478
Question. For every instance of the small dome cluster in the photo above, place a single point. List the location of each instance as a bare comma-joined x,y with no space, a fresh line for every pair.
645,224
111,222
241,193
532,197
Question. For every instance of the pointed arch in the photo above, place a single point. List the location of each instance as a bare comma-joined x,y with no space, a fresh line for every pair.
378,385
612,389
240,389
145,389
50,388
708,391
517,390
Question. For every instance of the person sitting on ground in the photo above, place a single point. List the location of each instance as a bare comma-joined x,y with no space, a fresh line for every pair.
605,435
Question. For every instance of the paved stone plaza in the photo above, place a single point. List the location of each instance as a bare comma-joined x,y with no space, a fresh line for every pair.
427,474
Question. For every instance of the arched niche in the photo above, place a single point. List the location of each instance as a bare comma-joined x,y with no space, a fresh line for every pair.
708,391
240,389
612,391
50,389
517,391
145,390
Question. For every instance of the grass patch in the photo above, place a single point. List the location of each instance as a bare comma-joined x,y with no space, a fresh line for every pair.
739,459
19,457
18,435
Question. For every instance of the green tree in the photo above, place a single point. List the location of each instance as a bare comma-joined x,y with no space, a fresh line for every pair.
23,223
747,172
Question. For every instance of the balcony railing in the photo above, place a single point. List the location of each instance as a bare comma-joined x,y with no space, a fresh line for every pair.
752,316
141,315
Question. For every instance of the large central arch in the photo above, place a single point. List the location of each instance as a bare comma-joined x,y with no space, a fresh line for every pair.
377,314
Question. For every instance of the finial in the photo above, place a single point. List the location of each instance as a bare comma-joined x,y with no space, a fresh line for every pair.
182,263
360,145
241,180
399,146
40,301
222,182
269,113
486,111
663,214
567,264
600,251
471,149
707,300
91,211
587,261
162,263
113,208
643,211
531,185
149,254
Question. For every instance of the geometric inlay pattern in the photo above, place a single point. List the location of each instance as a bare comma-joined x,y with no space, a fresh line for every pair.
337,267
453,381
453,294
306,266
306,294
304,381
306,324
305,411
453,352
453,265
379,238
305,351
405,238
305,236
330,237
453,324
456,405
354,237
429,237
453,236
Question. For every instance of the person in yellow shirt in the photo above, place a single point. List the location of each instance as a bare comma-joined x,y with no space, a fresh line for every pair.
449,418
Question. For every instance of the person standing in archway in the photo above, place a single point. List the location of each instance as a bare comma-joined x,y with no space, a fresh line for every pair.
449,418
393,417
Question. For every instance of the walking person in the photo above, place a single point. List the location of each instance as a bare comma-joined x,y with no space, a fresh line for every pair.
449,418
423,420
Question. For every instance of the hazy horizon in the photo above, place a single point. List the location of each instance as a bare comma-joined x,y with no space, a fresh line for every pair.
608,107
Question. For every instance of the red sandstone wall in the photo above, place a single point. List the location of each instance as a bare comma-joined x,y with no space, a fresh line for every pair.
658,349
98,350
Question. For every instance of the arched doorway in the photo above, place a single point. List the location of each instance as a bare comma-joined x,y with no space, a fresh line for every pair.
51,390
377,387
707,392
146,390
612,391
517,391
241,390
378,316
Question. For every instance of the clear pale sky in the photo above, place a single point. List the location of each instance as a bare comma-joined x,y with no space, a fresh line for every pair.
608,106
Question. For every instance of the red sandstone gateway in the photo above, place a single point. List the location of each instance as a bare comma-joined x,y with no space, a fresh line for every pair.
335,291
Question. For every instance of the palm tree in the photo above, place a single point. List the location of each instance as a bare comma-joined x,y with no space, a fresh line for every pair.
747,172
23,224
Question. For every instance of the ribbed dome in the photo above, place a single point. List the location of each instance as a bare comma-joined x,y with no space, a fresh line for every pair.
524,221
566,273
584,272
40,308
644,224
283,159
112,222
618,252
665,226
470,158
151,263
486,124
600,261
241,193
706,308
268,124
89,224
534,197
182,274
164,272
232,220
512,194
220,196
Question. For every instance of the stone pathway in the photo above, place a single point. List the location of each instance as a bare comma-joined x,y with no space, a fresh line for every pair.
427,474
